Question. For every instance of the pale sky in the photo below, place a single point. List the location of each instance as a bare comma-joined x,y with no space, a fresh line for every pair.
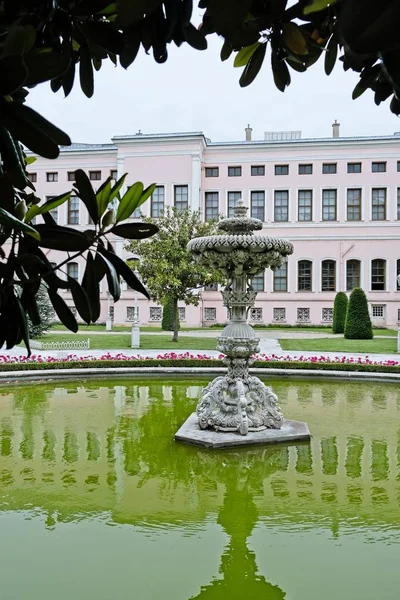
195,91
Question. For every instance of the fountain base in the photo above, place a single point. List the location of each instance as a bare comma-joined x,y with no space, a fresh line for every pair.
190,433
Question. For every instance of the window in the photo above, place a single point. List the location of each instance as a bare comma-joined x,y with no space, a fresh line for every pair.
257,205
329,205
257,282
354,167
305,169
182,313
181,197
379,167
114,174
210,314
157,202
281,169
329,168
378,275
327,315
234,171
279,315
32,177
95,175
378,204
305,205
281,205
71,175
257,170
131,313
256,315
328,276
304,282
303,315
73,210
54,211
211,206
211,287
398,204
398,165
212,171
155,313
398,315
353,275
232,199
52,177
354,204
73,270
378,310
397,274
281,278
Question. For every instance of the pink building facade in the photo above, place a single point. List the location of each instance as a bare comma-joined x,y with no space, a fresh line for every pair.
337,199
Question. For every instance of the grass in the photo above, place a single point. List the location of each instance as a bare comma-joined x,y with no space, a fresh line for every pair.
375,346
147,342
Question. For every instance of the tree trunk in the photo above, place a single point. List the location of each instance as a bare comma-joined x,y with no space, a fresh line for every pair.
175,319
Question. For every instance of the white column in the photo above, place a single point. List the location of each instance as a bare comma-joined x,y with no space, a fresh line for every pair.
196,183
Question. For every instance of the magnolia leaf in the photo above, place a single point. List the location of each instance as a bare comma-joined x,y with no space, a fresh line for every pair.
8,220
316,5
244,55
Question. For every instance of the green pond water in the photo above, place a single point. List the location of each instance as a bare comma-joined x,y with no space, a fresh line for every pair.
98,502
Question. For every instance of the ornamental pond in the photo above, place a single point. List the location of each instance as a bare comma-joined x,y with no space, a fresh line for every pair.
98,502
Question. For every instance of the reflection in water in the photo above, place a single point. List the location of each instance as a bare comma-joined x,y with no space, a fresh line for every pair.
74,453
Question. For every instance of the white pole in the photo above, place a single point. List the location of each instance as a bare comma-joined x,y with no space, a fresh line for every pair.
108,319
135,335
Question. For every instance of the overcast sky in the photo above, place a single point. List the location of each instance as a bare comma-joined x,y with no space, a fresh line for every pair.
195,91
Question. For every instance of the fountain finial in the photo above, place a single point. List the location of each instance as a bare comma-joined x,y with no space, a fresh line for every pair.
240,210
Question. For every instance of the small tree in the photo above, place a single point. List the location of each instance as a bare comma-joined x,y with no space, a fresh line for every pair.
167,323
167,268
46,314
339,312
358,323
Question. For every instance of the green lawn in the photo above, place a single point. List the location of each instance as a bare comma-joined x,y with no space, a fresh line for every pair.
147,342
376,346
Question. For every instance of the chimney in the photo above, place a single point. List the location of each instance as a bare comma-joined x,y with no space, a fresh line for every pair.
335,129
248,131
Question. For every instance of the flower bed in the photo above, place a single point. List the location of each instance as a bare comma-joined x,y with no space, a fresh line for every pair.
188,359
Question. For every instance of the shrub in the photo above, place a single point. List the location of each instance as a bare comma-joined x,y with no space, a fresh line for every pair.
46,314
339,312
167,323
358,323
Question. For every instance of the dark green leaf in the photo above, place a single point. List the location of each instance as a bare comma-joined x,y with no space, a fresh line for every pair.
104,35
195,38
6,194
80,299
125,272
280,72
62,238
226,50
24,325
112,278
367,77
13,74
68,79
29,303
8,220
103,197
129,201
129,12
86,72
90,284
13,160
62,311
45,66
30,117
331,54
135,231
86,194
117,187
20,39
253,67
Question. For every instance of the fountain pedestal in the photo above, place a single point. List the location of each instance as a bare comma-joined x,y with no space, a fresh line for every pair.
237,408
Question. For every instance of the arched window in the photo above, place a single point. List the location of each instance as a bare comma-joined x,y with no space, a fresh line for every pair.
73,270
378,274
353,275
328,276
304,276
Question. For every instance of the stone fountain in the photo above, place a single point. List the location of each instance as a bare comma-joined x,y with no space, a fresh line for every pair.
238,408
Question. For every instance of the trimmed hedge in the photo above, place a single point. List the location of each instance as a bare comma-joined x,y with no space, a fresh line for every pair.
272,364
339,312
167,323
358,323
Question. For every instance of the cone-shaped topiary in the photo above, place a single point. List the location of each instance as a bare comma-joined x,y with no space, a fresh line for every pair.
167,323
339,312
358,323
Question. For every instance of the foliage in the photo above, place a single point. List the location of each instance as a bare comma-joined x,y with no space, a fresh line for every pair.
58,41
168,269
339,312
167,323
46,314
358,323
